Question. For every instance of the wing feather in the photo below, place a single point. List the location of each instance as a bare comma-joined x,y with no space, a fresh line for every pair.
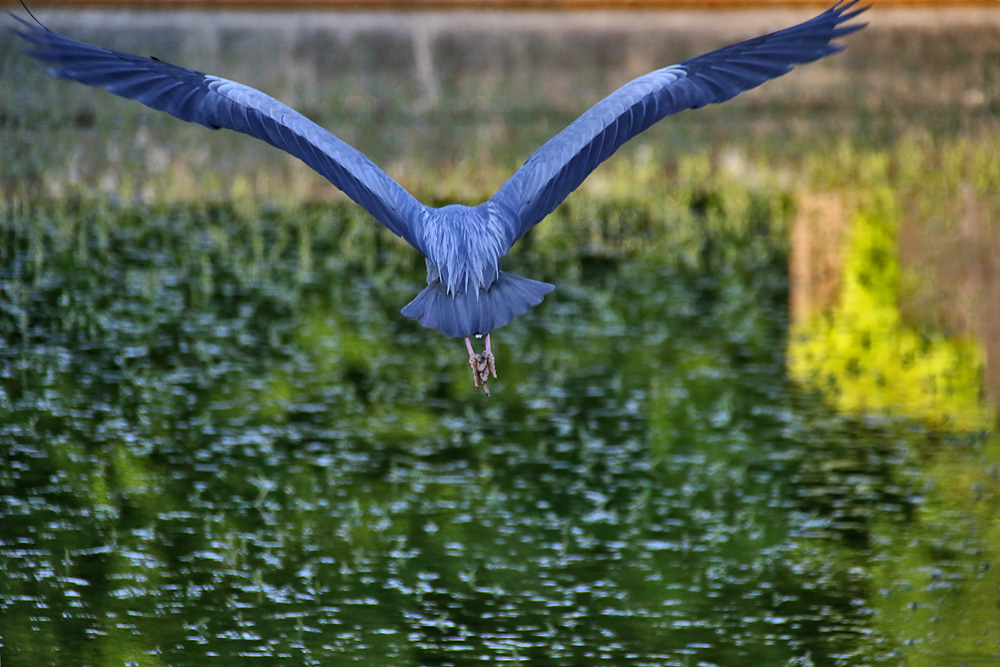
219,103
561,164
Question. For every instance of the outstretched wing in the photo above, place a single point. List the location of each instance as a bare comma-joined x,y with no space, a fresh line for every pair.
216,103
562,163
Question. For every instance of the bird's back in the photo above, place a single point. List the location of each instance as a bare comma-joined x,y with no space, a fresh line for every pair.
465,244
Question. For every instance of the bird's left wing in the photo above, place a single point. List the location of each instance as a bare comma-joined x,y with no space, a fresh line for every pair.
560,165
216,103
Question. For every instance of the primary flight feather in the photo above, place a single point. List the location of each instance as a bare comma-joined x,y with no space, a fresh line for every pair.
467,294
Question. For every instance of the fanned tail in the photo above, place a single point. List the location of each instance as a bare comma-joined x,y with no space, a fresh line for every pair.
476,314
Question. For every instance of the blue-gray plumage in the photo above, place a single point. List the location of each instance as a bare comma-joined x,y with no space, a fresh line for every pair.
467,294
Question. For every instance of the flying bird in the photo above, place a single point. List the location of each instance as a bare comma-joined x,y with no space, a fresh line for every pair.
467,295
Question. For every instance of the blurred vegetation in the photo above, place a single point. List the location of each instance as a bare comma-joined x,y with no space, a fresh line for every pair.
867,359
219,432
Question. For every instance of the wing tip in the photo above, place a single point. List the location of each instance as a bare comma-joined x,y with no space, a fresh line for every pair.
844,11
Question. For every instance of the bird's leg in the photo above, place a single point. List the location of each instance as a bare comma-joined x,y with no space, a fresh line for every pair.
482,365
473,362
488,355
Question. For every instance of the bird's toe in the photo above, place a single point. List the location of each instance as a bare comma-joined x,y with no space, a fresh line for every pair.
482,367
474,365
491,364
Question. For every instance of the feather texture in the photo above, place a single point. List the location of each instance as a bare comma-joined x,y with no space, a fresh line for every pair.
561,164
219,103
467,294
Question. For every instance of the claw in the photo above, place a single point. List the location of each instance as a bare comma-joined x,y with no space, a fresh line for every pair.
489,357
482,365
485,365
474,363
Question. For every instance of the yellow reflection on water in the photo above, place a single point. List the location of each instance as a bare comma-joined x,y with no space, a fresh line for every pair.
864,358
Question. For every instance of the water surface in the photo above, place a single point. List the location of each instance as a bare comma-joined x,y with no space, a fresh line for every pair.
223,444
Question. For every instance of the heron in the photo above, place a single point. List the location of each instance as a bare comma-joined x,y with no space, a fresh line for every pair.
467,294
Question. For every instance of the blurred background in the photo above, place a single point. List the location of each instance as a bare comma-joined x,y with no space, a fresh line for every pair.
757,420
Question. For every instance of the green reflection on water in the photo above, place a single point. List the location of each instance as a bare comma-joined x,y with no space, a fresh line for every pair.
866,359
223,443
936,590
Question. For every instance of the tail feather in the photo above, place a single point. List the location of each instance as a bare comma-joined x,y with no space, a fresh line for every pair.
475,314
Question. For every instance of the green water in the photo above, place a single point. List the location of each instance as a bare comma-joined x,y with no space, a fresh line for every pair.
222,444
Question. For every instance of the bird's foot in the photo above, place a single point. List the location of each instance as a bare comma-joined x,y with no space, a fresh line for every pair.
483,365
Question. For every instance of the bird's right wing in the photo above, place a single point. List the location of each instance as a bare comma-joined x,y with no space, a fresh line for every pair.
217,103
561,164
